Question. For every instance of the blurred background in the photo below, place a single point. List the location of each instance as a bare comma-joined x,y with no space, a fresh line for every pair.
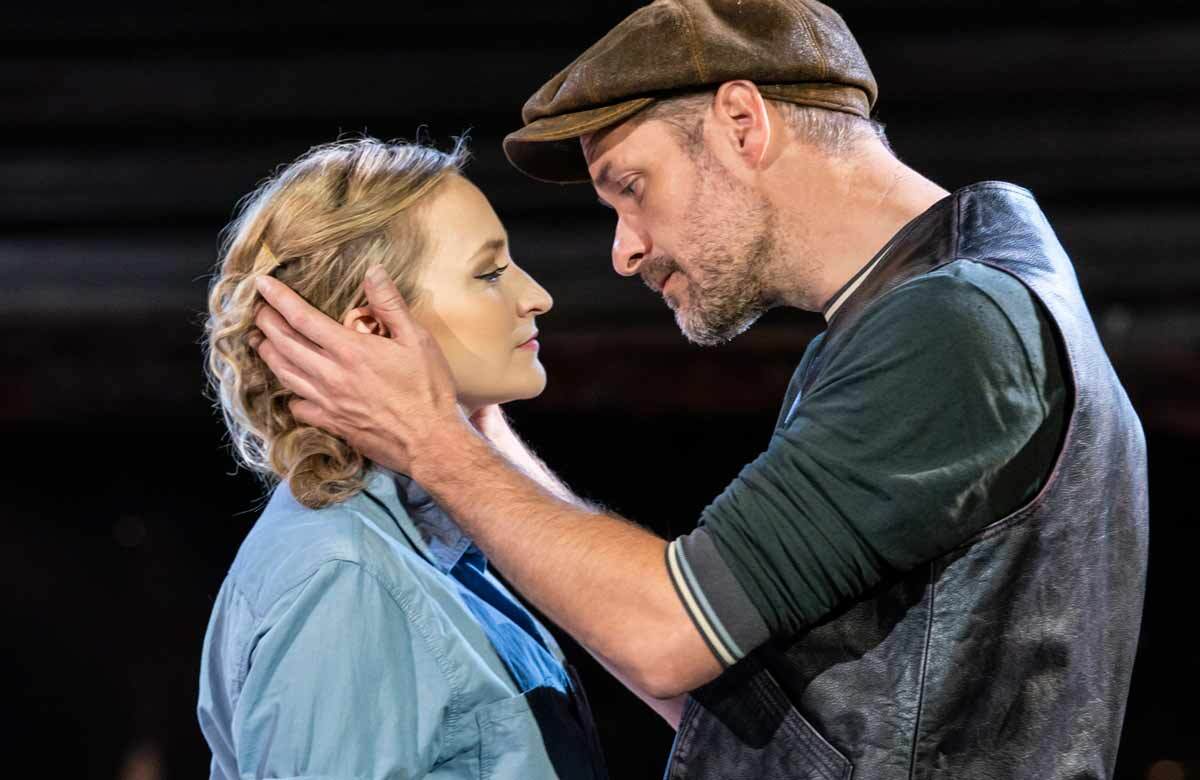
129,134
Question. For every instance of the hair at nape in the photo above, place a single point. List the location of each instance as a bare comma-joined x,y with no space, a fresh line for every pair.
833,132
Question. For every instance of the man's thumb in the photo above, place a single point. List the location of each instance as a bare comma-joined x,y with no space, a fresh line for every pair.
385,300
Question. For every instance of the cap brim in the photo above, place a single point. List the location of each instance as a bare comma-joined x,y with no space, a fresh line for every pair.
846,98
548,149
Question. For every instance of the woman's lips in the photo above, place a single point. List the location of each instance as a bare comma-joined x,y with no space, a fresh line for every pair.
531,344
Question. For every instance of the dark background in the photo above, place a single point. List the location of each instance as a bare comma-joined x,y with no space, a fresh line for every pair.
128,135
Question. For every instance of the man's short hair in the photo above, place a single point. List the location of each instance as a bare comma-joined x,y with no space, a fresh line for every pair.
834,132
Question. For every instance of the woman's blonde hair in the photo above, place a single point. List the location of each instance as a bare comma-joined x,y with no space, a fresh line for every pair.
317,225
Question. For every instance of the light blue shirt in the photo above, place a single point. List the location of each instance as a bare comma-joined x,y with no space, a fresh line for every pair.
368,640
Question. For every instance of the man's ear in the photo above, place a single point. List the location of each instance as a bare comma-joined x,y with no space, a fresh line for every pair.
744,120
363,321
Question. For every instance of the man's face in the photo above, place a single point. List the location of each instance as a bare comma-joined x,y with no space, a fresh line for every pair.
686,225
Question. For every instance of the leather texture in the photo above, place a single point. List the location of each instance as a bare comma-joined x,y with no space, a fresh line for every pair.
795,50
1009,657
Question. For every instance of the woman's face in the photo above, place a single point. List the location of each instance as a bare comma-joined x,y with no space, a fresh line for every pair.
479,306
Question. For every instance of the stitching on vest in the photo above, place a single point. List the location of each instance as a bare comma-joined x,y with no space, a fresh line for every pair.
956,247
683,738
797,725
916,732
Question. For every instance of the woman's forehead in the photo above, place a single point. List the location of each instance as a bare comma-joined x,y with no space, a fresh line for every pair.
460,203
460,221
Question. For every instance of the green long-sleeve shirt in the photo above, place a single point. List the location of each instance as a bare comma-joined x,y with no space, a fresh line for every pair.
940,413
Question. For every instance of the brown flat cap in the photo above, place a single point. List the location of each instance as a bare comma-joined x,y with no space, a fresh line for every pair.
795,50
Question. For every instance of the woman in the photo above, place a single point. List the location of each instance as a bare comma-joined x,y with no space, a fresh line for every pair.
358,633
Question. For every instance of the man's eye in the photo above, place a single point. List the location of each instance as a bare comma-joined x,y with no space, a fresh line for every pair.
493,276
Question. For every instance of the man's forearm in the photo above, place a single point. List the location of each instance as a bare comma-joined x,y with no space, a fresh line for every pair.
602,578
669,709
505,439
517,452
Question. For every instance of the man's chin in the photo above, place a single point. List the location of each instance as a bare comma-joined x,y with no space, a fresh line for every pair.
704,335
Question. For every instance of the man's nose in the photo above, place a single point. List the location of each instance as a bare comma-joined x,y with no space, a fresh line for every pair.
629,249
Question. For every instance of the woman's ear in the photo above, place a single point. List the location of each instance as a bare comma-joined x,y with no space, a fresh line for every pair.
362,321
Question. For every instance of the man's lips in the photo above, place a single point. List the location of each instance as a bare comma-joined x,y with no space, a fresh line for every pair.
658,283
671,297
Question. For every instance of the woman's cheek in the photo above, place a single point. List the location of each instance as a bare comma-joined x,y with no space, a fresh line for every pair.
479,370
476,340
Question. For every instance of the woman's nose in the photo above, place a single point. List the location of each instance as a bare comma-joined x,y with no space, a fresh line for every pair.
629,248
534,299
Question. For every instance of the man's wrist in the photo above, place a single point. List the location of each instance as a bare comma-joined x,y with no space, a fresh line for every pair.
447,450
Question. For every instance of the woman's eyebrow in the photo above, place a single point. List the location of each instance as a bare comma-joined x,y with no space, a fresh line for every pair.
487,251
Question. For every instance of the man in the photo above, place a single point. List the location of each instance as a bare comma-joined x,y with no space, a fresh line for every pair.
936,567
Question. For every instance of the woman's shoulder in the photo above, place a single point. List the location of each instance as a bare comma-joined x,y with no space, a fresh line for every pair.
290,542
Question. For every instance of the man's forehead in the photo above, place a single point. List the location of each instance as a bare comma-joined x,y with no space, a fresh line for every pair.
593,147
587,142
600,171
599,147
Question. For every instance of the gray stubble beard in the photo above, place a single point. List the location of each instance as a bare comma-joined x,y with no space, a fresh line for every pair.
731,292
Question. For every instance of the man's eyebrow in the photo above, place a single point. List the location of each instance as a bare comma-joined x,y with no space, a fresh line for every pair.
603,182
604,178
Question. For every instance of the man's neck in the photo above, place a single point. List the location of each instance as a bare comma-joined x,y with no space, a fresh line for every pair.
837,214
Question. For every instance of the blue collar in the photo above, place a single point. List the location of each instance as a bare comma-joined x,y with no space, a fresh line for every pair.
426,525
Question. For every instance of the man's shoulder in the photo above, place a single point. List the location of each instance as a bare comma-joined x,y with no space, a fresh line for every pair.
961,300
961,286
963,321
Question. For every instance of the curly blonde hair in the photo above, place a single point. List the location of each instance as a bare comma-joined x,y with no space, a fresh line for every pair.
317,225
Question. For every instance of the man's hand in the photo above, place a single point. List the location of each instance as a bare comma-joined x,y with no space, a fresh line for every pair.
385,396
598,576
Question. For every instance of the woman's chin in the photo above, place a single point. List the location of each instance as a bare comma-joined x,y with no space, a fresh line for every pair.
535,388
523,392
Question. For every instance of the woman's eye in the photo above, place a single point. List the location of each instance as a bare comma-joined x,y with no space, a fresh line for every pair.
493,276
628,190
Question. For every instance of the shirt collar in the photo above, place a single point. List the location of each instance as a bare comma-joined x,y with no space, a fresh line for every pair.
842,295
426,525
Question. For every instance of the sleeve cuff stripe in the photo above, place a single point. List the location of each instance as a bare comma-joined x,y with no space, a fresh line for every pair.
689,575
725,652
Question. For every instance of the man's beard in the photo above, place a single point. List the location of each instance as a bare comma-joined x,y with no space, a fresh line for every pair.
726,288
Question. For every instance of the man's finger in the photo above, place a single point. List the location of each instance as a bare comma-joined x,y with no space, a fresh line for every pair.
299,350
308,413
266,315
300,315
285,371
386,303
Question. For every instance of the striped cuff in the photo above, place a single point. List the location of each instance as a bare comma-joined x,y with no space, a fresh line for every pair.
716,603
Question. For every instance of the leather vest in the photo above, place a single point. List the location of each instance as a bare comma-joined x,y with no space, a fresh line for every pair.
1009,657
